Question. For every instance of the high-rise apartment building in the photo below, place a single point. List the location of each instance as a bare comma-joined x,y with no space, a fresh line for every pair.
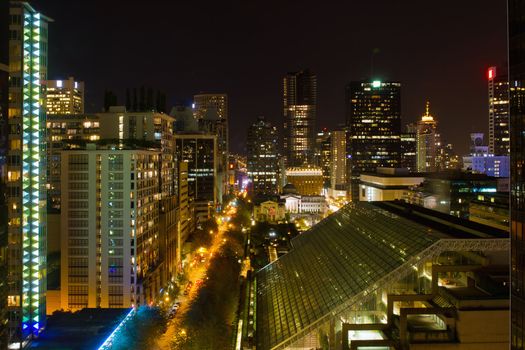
65,131
516,20
151,129
4,132
498,91
200,152
426,142
26,172
299,112
338,160
109,224
374,127
408,144
65,96
262,159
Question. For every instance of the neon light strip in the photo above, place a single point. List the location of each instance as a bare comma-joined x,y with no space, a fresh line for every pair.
108,343
31,176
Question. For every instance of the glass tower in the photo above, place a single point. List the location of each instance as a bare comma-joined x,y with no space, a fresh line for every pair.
26,172
374,126
299,111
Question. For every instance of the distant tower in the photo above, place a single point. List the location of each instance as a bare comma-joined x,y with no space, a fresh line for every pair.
498,90
374,127
299,112
262,159
426,142
65,96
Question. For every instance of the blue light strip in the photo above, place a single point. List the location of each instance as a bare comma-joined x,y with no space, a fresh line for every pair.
108,343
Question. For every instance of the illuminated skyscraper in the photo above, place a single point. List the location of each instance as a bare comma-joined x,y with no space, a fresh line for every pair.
498,83
26,162
374,127
65,96
338,160
262,157
200,152
516,20
299,111
426,142
211,113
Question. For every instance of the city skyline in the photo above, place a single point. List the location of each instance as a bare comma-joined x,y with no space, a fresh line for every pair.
450,49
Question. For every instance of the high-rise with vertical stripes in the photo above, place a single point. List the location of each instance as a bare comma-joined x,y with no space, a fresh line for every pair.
26,173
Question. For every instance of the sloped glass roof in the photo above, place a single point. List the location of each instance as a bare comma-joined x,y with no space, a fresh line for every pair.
338,258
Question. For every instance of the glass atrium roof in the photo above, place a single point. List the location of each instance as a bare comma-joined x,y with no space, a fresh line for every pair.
337,259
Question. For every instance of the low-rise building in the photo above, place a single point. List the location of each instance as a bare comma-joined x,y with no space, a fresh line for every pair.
491,209
269,210
387,184
450,192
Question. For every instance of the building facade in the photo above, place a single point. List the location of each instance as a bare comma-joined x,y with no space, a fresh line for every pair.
516,20
408,145
498,92
373,118
65,96
338,160
307,180
299,112
426,142
262,158
66,131
4,131
109,225
200,152
26,160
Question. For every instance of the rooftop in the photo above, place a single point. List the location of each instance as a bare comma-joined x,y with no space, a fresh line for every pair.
339,262
86,329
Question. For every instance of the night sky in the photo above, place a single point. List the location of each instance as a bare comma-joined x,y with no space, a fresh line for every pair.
438,50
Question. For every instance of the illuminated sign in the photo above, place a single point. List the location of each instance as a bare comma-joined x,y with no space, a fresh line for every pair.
491,73
376,83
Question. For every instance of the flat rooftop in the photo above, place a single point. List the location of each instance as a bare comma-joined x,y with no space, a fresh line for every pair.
86,329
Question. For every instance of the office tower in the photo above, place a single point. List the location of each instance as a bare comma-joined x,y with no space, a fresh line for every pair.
299,112
498,88
338,160
200,152
323,151
26,158
262,156
211,112
4,132
516,20
65,96
446,157
145,129
408,144
426,142
374,126
65,131
109,224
